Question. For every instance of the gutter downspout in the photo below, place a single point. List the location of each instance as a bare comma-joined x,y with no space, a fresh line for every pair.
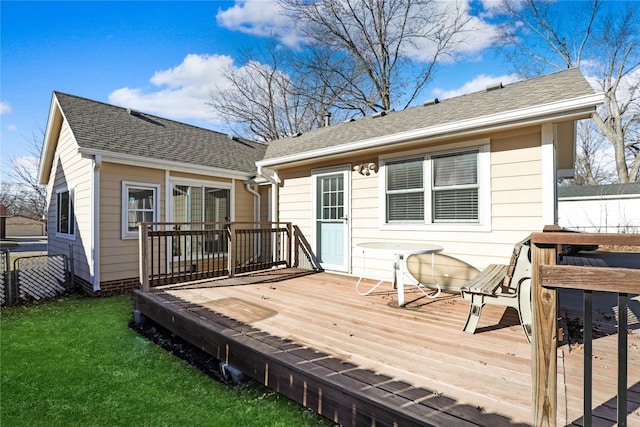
275,193
256,206
95,221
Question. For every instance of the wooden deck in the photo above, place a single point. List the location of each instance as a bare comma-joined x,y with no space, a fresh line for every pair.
362,360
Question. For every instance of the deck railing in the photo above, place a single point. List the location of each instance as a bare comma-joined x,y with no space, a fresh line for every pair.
173,252
303,256
547,278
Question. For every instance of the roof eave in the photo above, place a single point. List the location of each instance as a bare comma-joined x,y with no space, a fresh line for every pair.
49,141
576,108
171,165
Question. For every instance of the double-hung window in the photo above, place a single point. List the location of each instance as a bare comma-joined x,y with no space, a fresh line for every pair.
437,188
65,216
455,187
139,204
405,190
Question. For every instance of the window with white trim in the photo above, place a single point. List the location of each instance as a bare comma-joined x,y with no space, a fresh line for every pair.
436,188
65,216
405,190
139,204
455,187
201,202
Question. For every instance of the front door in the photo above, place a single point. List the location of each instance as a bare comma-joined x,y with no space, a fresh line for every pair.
332,219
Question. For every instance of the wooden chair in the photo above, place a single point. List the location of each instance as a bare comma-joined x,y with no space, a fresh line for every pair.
504,285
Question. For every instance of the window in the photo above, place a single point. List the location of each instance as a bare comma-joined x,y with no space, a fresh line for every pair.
66,220
139,204
437,188
195,203
201,204
455,187
405,190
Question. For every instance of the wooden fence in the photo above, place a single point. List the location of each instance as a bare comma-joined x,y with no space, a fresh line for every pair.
547,278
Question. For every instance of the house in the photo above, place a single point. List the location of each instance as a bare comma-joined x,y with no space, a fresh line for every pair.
107,168
22,226
612,208
474,174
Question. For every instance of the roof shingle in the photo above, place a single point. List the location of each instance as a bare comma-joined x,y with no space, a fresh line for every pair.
551,88
105,127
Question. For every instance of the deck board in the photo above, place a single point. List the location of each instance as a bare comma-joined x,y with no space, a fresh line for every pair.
416,358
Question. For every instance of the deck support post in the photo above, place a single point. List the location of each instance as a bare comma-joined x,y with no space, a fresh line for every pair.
545,336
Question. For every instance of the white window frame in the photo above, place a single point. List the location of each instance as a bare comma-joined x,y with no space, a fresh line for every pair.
124,225
201,183
71,213
484,190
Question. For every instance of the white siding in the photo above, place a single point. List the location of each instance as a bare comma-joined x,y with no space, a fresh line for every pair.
70,170
516,210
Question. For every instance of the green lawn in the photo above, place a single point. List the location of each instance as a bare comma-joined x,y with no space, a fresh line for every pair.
74,362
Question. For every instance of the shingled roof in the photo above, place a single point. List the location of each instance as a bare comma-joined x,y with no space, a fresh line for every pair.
600,191
107,129
496,106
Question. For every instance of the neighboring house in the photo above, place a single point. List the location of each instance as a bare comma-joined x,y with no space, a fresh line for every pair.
108,167
22,226
613,208
475,174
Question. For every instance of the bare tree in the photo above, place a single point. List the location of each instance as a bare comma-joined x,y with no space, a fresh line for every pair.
619,120
271,96
376,40
604,35
535,30
23,194
593,165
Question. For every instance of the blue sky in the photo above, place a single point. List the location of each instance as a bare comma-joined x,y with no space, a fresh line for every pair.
158,57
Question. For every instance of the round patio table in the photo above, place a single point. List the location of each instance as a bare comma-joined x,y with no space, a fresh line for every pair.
401,251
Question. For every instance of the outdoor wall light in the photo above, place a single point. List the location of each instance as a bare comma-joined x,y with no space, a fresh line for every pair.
365,168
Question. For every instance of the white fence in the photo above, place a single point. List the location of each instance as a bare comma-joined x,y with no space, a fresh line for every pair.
600,213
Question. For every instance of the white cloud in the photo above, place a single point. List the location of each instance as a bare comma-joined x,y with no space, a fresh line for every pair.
476,36
5,108
183,91
479,83
258,18
12,128
265,19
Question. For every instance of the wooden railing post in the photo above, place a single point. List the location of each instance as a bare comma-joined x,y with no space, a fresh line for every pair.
143,230
289,243
231,250
545,335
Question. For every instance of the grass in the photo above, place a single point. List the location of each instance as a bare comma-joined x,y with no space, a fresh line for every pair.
74,362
